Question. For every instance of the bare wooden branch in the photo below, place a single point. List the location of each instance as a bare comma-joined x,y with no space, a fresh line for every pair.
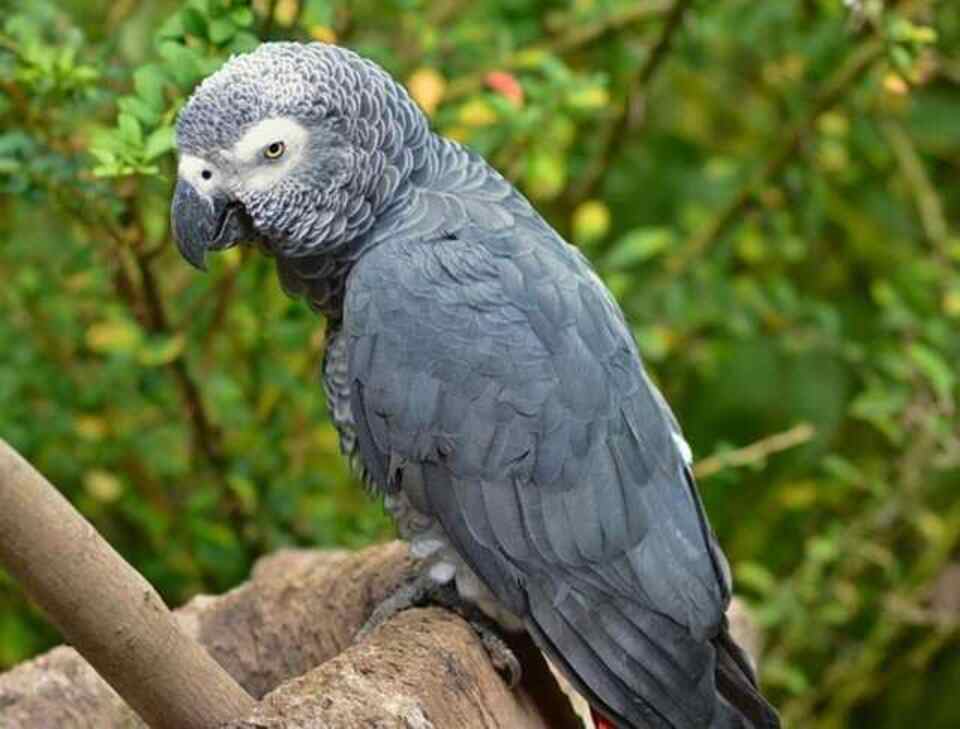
281,631
425,668
287,637
106,609
755,452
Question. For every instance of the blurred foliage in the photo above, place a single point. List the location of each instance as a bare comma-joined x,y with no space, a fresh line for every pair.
771,190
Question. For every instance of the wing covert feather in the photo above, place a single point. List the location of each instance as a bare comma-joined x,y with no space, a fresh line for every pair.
499,359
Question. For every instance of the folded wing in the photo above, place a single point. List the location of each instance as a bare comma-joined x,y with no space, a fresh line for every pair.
498,364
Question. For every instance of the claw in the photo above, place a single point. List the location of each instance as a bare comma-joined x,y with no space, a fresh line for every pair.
502,658
411,594
423,590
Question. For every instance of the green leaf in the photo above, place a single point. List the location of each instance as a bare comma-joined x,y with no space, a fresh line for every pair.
222,30
934,368
901,58
880,405
118,336
545,174
756,577
130,130
317,12
184,63
791,677
158,351
242,17
244,42
172,29
822,549
66,58
159,143
109,140
135,106
654,342
104,156
245,491
194,22
638,246
149,82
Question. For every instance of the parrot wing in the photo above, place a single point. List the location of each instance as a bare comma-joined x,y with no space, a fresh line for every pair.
494,369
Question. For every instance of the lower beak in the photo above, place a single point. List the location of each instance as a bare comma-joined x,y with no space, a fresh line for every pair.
203,223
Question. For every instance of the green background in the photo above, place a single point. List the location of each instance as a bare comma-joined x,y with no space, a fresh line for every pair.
770,189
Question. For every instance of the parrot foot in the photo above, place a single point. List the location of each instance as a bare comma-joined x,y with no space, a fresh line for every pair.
422,591
414,593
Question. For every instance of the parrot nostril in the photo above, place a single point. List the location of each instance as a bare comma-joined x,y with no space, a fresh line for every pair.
206,174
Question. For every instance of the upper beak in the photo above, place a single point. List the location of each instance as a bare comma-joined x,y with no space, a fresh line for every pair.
201,223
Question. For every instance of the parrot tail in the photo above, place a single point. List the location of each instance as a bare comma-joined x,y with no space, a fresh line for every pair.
599,722
642,670
741,705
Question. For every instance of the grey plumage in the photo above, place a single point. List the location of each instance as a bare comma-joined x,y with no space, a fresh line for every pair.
485,380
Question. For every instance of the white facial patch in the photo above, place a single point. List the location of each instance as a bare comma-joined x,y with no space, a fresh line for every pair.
201,175
258,172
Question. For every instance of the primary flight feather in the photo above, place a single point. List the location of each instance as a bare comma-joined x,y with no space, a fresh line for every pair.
480,374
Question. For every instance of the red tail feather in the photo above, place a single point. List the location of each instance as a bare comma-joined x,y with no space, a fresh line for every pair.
599,722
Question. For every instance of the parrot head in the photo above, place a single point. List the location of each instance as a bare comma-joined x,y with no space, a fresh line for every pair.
297,147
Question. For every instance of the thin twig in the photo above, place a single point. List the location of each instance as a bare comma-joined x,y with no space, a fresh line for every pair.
833,90
659,52
146,304
755,452
926,198
298,13
224,296
852,677
269,19
205,436
632,110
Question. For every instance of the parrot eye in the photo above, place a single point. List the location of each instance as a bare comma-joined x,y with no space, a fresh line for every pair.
274,151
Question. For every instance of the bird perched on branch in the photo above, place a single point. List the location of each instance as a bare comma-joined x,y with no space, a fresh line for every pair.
482,377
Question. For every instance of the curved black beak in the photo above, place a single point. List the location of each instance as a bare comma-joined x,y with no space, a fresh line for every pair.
202,223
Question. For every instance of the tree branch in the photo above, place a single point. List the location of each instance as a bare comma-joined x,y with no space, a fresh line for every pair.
423,669
206,437
633,105
755,452
106,609
833,90
287,637
925,196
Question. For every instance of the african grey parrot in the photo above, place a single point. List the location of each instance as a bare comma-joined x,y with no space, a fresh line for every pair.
481,375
